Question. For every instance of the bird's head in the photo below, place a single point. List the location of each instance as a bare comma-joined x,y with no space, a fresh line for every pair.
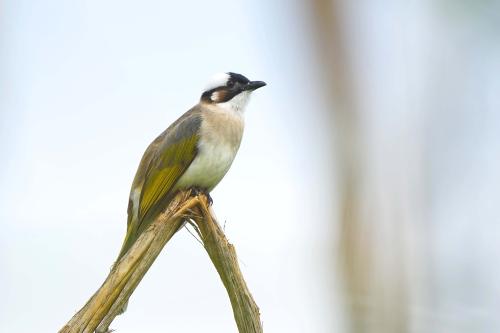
230,90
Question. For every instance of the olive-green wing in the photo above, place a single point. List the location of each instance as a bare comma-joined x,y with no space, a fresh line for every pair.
174,155
171,163
163,163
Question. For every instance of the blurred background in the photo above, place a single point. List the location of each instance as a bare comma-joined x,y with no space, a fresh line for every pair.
364,197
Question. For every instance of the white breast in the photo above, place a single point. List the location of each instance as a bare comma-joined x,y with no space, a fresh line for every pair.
220,137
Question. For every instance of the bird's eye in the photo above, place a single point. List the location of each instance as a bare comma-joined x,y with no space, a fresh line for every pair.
230,83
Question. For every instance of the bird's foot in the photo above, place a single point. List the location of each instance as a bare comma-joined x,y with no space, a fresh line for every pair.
195,191
209,198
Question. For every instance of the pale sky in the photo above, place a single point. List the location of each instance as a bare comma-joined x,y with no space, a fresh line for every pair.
87,86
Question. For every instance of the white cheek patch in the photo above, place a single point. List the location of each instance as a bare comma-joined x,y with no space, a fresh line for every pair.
215,97
218,80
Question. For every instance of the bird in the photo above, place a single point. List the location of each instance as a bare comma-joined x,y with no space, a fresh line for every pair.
193,153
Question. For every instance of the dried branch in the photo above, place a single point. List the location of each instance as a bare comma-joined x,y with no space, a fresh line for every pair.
223,256
126,274
98,313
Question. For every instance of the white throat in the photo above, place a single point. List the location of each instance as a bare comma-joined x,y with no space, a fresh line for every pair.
237,103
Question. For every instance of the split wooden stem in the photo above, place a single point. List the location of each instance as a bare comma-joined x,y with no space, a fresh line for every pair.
109,300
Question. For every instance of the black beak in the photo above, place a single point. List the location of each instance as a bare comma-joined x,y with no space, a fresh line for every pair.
252,85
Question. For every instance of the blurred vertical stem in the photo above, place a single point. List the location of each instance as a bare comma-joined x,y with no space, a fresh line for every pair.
354,260
359,254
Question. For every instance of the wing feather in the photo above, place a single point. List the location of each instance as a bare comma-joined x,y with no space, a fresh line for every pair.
161,178
163,163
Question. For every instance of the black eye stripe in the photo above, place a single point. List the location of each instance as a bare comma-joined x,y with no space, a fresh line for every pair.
235,84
